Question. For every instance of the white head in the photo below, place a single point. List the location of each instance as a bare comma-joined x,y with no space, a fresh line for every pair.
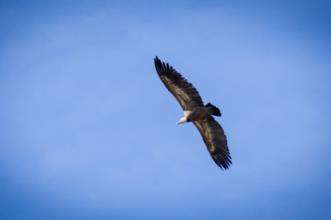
182,120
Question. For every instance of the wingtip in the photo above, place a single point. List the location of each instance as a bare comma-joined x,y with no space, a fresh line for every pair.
222,162
162,67
158,63
156,59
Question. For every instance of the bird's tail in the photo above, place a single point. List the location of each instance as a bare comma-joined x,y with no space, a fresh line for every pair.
213,110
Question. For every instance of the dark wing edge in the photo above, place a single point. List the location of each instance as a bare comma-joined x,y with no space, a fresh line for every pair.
185,93
213,135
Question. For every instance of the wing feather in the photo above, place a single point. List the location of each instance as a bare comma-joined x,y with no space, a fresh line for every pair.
185,93
213,136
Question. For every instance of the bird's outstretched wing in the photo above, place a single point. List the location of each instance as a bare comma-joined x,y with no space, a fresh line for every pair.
185,93
213,136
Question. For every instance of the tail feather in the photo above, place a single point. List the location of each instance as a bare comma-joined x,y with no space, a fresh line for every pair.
213,110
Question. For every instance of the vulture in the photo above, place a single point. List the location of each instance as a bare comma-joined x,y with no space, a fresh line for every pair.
196,112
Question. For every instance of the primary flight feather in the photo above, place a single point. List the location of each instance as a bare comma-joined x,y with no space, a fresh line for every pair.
195,111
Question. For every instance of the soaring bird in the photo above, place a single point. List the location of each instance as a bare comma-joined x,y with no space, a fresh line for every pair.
196,112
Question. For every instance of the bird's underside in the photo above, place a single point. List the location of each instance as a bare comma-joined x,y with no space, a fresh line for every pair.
195,111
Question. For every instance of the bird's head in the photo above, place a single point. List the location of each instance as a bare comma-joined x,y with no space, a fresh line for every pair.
182,120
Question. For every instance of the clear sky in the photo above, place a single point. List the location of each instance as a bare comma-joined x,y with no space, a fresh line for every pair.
88,131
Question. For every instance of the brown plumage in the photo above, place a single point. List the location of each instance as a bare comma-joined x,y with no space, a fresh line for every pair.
194,110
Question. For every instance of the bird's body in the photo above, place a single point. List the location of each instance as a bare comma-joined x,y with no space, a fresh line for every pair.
198,113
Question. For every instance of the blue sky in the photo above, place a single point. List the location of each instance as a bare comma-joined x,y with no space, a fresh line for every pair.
89,132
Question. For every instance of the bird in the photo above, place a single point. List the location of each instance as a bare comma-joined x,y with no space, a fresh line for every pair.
196,112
